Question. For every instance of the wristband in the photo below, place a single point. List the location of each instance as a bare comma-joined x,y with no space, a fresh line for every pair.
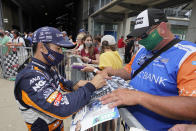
95,70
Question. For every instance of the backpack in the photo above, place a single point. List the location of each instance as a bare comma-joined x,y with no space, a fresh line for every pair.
27,42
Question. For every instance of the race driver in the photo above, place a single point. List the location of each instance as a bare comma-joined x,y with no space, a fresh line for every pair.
39,87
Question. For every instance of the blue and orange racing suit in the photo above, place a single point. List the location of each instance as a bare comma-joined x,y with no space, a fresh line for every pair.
45,98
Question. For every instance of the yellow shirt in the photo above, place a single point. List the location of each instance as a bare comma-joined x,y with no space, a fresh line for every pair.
110,59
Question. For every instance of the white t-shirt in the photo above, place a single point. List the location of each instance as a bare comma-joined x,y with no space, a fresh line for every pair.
18,40
22,51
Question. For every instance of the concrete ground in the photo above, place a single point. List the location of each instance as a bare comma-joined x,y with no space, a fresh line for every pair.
10,117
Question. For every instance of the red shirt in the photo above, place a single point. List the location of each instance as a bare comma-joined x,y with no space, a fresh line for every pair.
93,57
121,44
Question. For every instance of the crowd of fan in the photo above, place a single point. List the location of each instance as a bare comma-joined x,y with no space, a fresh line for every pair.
89,48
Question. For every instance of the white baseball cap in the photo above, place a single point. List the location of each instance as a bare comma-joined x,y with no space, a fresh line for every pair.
109,38
146,19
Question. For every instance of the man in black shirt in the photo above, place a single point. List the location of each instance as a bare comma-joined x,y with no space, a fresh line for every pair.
129,48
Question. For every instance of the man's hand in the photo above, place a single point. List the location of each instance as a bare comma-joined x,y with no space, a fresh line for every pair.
105,74
121,97
108,70
85,59
88,68
79,84
98,81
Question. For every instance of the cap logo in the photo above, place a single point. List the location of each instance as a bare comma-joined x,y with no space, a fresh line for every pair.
153,35
45,29
49,37
139,20
142,20
47,33
41,33
42,37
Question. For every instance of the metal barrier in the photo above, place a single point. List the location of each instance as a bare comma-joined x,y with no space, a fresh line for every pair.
76,74
129,119
125,115
63,67
11,61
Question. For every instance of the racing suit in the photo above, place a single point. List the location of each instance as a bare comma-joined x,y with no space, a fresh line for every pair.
38,92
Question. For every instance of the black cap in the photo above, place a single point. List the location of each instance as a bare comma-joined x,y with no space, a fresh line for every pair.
146,19
129,36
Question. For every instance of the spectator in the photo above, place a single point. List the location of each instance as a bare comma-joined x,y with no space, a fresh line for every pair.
8,34
89,53
3,50
17,45
39,88
11,33
121,47
137,47
97,42
109,56
30,35
129,48
70,38
65,36
17,40
80,42
4,39
82,31
28,40
25,35
165,88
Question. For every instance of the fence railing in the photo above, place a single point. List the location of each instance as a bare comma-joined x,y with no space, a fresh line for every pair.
11,59
129,119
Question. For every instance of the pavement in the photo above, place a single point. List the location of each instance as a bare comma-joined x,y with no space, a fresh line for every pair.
10,117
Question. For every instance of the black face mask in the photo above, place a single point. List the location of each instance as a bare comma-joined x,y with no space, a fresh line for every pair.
52,57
